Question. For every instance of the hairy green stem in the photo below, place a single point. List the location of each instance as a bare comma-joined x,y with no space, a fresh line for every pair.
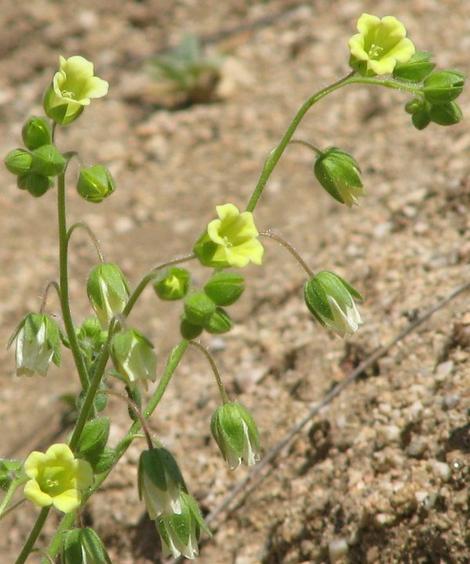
9,495
215,370
275,237
64,284
85,227
276,154
33,536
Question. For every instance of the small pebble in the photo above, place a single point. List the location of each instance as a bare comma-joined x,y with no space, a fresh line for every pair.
442,470
337,549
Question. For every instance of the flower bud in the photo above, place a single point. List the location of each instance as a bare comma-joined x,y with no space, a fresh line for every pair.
224,288
36,184
218,322
18,161
416,69
36,133
446,114
108,291
414,105
133,357
236,434
91,337
37,344
47,160
180,532
95,183
198,307
189,330
443,86
83,546
331,300
160,482
172,284
340,176
421,118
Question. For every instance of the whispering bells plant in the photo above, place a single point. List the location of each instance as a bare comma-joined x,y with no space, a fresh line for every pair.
68,474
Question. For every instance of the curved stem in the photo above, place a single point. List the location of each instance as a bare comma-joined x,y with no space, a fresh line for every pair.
14,485
33,536
137,412
51,284
275,237
215,370
89,231
311,146
12,508
64,284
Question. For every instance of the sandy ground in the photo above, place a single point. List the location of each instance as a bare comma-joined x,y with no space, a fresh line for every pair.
382,474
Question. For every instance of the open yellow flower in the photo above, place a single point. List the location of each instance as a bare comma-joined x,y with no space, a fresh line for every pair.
56,478
230,240
73,86
379,45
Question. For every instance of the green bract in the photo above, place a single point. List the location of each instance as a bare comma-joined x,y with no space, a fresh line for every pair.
95,183
37,344
133,357
160,482
83,546
380,44
416,69
224,288
180,531
56,478
47,160
444,86
340,176
108,291
332,301
36,132
236,434
173,284
73,86
218,322
18,161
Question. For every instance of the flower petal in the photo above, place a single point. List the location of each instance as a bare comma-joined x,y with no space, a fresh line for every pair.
227,212
366,23
60,452
33,493
84,475
213,230
67,501
32,463
96,87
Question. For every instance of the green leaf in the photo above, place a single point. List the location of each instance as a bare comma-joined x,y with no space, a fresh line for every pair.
93,440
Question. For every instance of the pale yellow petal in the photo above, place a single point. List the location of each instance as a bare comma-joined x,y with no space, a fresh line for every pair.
356,46
227,211
67,501
367,23
60,451
33,493
32,463
213,230
84,475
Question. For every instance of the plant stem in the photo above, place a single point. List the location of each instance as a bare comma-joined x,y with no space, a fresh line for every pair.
275,237
64,284
51,284
89,231
215,370
33,536
135,408
9,495
276,154
310,146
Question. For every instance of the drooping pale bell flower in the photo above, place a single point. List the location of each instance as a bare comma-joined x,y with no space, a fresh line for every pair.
133,357
236,434
230,240
332,302
56,478
380,44
160,482
73,86
37,344
180,532
108,291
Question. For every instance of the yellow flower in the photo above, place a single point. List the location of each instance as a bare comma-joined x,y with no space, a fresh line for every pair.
72,88
56,478
231,240
379,45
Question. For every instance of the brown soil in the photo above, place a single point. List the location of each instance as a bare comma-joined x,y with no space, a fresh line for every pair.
382,474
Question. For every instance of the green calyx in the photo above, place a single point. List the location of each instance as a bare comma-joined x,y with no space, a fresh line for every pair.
18,161
225,288
416,69
47,160
443,86
36,132
95,183
108,291
172,284
133,356
198,308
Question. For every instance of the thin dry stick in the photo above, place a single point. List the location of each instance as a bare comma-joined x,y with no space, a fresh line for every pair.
245,487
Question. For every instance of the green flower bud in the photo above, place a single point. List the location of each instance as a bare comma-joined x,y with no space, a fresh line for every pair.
108,291
224,288
416,69
421,118
331,300
443,86
133,357
160,482
37,344
198,307
95,183
189,330
236,434
218,322
47,160
340,176
18,161
36,133
180,532
414,106
61,113
446,114
83,546
172,284
36,184
91,337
